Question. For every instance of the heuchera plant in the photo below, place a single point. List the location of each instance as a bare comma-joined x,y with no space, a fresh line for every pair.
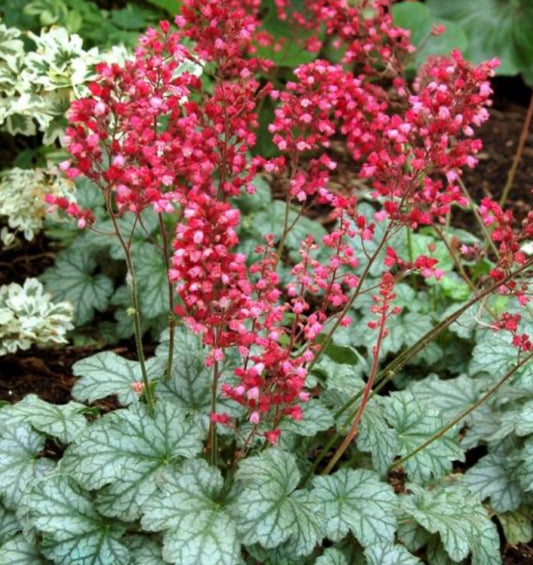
237,386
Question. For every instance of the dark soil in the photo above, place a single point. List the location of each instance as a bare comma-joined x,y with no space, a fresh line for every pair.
500,137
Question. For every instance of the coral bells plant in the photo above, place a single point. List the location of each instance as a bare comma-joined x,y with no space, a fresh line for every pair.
256,433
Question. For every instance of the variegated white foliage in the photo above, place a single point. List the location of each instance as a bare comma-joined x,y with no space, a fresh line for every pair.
36,87
28,316
22,204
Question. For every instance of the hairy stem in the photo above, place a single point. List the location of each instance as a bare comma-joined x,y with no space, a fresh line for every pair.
464,414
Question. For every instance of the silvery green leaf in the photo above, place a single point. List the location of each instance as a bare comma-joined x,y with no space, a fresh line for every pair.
486,545
63,421
524,425
450,396
72,279
411,534
145,551
493,476
465,325
414,425
107,373
315,418
9,525
125,449
73,531
267,508
20,464
18,551
190,382
377,437
357,501
494,355
190,512
517,526
461,522
390,554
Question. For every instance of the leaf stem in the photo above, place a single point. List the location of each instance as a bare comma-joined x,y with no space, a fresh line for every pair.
464,414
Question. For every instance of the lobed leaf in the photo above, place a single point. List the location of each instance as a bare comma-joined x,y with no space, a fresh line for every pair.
73,531
123,452
357,501
64,422
190,512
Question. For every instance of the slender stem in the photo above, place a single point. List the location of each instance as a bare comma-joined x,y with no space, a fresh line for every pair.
401,360
171,317
392,369
352,299
132,283
350,436
464,414
212,425
285,229
479,220
518,155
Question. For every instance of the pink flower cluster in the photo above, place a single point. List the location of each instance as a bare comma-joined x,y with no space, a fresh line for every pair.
152,136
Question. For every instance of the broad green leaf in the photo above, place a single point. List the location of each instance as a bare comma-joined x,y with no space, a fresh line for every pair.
190,382
494,355
450,397
267,508
145,551
152,279
190,511
389,554
170,6
63,421
9,524
461,521
261,199
517,526
377,437
293,52
486,545
124,450
18,551
495,28
315,418
20,464
414,425
107,373
493,476
72,278
357,501
73,531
